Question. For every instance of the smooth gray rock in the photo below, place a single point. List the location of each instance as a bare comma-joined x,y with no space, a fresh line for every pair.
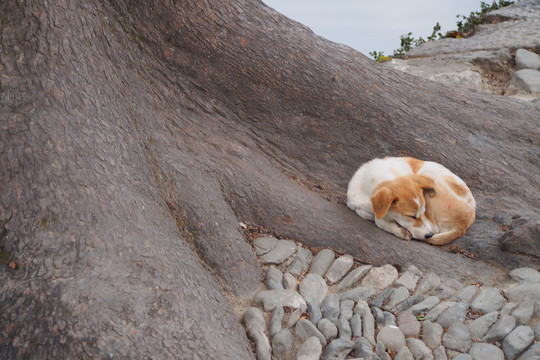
311,348
284,298
346,308
378,315
274,279
344,329
379,278
276,320
282,344
356,325
524,291
301,262
392,338
525,274
398,295
466,294
380,350
407,279
526,81
489,299
294,317
358,293
389,318
432,334
526,59
368,321
305,329
479,327
457,337
408,324
447,289
353,277
517,341
339,268
264,244
330,307
455,313
508,308
425,305
322,261
500,329
413,300
404,354
282,250
524,312
483,351
533,353
289,281
363,349
338,349
314,312
255,327
429,282
313,288
434,313
328,329
419,349
380,299
440,353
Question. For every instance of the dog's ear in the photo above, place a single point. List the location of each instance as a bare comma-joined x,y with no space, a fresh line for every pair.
381,201
426,183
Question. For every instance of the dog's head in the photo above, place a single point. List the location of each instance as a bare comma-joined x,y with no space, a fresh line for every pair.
403,200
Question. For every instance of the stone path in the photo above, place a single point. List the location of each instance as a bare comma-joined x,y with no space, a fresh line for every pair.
328,306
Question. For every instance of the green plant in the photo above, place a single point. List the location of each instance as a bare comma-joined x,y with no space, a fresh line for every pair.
475,18
379,56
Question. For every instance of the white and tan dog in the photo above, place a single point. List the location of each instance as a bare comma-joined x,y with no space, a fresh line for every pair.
412,198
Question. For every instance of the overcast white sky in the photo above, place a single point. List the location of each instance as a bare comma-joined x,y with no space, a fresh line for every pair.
368,25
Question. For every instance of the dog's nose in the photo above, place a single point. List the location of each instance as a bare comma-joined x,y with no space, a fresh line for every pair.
429,235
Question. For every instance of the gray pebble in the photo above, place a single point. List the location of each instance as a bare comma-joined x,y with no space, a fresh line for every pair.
379,278
479,327
282,344
289,281
517,341
358,293
283,249
429,282
489,299
276,320
404,354
392,338
408,324
255,326
356,325
419,349
301,262
526,59
500,329
346,307
338,349
286,298
305,329
413,300
353,277
455,313
313,288
508,308
344,329
330,307
380,350
434,313
524,291
314,312
483,351
368,322
294,317
311,348
389,318
432,334
466,294
397,296
457,337
378,315
524,312
440,353
274,279
328,329
447,289
533,353
339,268
322,261
363,349
525,274
264,244
380,300
425,305
407,279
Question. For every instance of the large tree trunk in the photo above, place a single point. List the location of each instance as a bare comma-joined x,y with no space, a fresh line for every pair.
136,136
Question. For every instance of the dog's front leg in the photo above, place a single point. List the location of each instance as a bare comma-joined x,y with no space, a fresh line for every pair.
394,228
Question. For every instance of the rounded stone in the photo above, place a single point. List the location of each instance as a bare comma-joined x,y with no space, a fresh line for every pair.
380,278
455,313
526,59
282,344
404,354
400,294
524,291
525,274
500,329
432,334
330,307
344,329
276,320
483,351
408,279
479,327
338,349
264,244
322,261
283,249
353,277
358,293
392,338
457,338
408,324
419,349
301,262
314,312
311,348
328,329
285,298
524,312
339,268
447,289
313,288
289,281
429,282
489,299
346,307
425,305
274,279
305,329
517,341
356,325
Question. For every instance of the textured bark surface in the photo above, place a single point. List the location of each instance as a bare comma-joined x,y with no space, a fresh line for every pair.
134,137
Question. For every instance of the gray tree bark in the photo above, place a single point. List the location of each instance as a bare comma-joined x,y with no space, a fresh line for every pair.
135,137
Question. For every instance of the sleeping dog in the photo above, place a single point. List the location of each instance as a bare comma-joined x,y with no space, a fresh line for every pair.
412,198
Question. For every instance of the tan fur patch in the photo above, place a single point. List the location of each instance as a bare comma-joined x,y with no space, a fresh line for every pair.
459,189
415,164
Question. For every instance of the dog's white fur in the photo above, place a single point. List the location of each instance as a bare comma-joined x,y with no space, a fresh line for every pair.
412,198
